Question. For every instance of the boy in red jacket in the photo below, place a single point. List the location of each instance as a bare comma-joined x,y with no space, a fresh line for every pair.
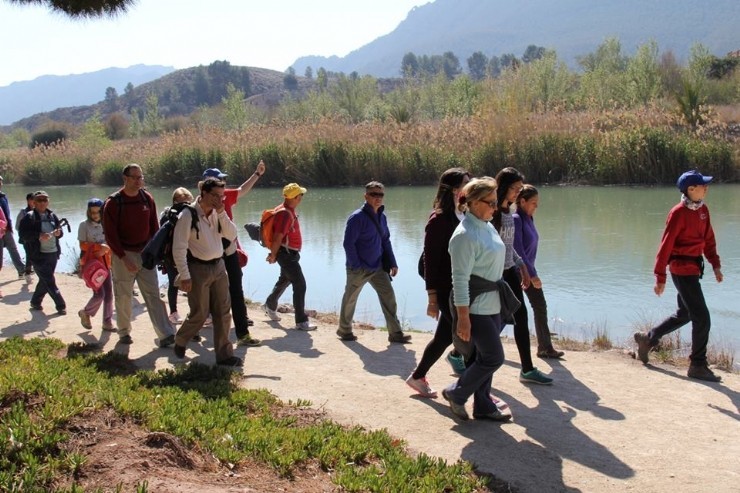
687,239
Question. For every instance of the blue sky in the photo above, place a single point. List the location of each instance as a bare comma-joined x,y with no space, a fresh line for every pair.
185,33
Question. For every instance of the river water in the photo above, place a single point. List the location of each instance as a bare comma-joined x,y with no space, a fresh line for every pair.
597,247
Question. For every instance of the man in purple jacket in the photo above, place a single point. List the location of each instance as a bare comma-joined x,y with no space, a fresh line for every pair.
367,244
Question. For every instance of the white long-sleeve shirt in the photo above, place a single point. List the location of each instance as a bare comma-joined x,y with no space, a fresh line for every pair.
206,245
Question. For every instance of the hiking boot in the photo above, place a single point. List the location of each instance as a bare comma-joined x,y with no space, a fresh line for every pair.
494,416
175,318
234,362
457,362
272,314
457,409
307,326
400,338
85,319
126,340
179,351
347,337
534,376
421,386
643,346
167,341
36,307
550,353
248,341
702,372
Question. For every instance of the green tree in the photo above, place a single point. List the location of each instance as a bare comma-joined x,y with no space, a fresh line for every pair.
643,71
451,65
409,65
111,99
93,137
478,65
308,74
605,81
290,81
83,8
235,111
533,53
116,127
153,122
322,79
128,96
353,94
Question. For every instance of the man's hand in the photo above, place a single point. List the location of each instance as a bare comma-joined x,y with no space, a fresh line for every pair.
536,282
659,288
394,271
186,285
718,275
130,264
261,168
271,258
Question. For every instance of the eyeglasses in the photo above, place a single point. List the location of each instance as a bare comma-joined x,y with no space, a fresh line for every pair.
135,177
489,203
377,195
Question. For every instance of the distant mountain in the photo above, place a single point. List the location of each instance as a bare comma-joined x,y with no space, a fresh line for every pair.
48,92
571,27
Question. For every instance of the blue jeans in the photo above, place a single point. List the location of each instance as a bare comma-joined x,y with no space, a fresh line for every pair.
485,333
290,273
691,308
45,264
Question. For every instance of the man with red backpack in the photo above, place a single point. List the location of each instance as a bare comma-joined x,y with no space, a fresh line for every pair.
285,250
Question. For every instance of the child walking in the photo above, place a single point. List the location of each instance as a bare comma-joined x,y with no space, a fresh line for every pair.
92,240
687,239
526,240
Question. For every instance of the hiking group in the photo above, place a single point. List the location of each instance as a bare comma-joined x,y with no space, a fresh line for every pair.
478,262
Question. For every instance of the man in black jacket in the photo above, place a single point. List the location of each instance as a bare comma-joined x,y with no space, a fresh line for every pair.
40,231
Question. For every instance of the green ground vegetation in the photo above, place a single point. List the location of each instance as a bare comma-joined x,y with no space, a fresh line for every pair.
42,387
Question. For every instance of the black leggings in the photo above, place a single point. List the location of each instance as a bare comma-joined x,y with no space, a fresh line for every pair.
442,336
521,319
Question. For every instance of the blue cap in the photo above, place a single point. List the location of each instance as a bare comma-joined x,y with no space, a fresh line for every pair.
690,179
94,202
214,173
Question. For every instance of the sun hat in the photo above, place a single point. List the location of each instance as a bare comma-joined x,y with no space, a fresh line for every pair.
214,173
293,190
690,179
40,193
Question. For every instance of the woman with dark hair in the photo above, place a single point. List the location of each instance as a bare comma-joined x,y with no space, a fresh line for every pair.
510,183
92,240
477,255
526,240
438,276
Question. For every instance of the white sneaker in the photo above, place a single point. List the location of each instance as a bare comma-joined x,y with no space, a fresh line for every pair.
209,321
305,326
421,386
272,314
175,318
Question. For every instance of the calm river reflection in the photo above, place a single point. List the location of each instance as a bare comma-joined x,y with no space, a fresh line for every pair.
597,246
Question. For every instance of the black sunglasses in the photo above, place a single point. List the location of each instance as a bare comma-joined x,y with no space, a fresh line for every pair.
376,194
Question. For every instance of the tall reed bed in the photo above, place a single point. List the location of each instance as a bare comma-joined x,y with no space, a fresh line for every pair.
608,148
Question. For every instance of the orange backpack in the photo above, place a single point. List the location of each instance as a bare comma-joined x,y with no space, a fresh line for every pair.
267,225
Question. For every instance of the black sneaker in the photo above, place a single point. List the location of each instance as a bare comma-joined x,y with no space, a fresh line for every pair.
62,311
347,337
126,340
643,346
167,341
250,322
400,338
702,372
179,351
233,362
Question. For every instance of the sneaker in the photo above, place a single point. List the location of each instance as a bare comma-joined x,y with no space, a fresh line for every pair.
702,372
501,404
36,307
209,321
494,416
28,277
457,409
421,386
197,338
167,341
347,337
21,275
534,376
250,322
61,311
248,340
108,327
272,314
643,346
550,353
400,338
126,340
457,362
233,362
85,319
175,318
307,326
179,351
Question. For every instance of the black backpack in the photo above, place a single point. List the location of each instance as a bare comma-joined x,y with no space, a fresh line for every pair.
159,249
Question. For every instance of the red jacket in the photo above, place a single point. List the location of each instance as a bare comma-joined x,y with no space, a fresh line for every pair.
687,233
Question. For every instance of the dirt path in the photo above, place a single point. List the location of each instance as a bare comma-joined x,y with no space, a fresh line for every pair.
608,423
